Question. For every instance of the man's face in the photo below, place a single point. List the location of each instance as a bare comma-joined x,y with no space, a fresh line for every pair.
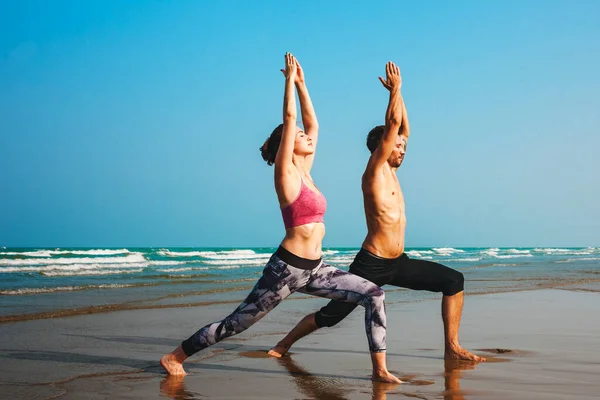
397,155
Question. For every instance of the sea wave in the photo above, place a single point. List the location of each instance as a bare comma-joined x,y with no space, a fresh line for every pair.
560,251
130,258
517,251
24,291
217,255
421,251
493,252
164,262
447,251
50,253
513,255
340,259
73,267
182,269
91,272
568,260
467,259
260,261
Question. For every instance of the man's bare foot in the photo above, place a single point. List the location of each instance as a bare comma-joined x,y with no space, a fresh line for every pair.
458,353
278,351
172,365
385,376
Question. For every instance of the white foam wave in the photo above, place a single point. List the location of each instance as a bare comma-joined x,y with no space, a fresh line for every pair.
160,262
72,267
552,250
513,255
50,253
493,252
131,258
23,291
420,253
91,272
260,261
39,253
330,252
97,252
517,251
559,251
178,269
217,255
340,259
447,251
468,259
238,256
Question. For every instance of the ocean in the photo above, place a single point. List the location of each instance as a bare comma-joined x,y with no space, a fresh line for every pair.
40,283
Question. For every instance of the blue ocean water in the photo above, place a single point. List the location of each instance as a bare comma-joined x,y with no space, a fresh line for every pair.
41,283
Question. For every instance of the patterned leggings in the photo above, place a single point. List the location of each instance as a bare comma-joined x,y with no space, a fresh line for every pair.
278,281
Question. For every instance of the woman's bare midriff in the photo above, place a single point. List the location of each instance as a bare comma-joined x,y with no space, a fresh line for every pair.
305,240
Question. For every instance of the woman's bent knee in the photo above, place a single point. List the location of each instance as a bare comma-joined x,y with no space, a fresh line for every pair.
377,295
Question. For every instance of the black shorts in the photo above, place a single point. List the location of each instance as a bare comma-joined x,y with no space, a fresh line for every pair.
402,272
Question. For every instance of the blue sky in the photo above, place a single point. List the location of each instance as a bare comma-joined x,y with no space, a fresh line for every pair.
138,123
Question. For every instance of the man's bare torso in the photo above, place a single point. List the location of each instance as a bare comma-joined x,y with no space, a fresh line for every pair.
384,210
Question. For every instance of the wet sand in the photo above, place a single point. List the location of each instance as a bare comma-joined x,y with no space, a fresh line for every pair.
542,344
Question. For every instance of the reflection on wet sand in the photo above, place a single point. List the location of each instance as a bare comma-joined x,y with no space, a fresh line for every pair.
319,388
310,385
452,374
453,371
316,387
381,389
174,388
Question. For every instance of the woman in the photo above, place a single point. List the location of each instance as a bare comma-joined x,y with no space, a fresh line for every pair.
297,263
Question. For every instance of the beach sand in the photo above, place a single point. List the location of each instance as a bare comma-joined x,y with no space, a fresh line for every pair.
542,344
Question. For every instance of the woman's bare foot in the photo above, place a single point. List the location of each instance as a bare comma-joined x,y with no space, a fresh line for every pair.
278,351
384,376
173,362
380,371
458,353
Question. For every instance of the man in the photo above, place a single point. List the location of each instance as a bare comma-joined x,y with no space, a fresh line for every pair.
382,259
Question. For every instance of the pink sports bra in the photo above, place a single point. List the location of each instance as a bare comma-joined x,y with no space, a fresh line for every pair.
308,207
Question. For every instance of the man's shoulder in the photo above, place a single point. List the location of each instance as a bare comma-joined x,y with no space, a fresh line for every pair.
377,171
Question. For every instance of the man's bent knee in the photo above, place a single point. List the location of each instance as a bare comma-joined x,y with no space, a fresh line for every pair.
455,284
323,320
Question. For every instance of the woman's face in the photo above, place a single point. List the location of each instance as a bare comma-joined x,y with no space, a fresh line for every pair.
303,144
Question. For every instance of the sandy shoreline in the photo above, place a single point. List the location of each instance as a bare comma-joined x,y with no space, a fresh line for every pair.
552,338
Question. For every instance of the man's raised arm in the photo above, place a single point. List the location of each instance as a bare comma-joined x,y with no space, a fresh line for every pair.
393,116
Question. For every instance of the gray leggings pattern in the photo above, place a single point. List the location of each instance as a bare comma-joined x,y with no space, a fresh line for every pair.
278,281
